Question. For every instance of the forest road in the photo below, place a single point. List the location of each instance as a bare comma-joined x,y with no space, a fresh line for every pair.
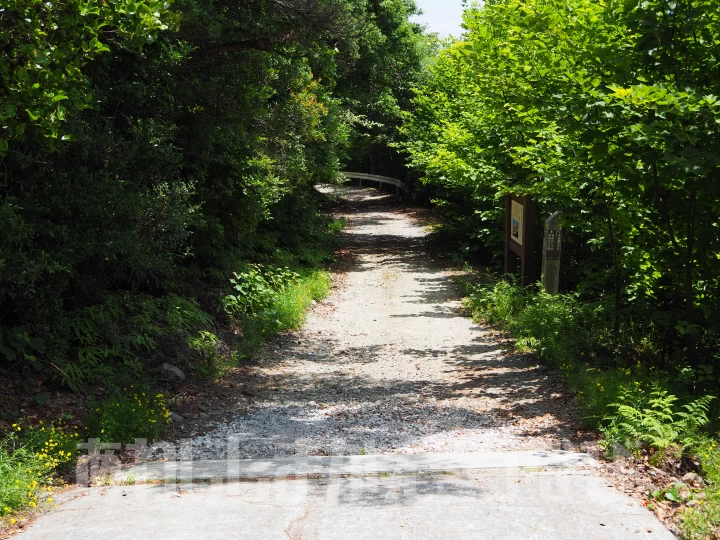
389,363
389,370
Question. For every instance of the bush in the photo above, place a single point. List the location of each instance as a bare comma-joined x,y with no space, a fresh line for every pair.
54,442
110,338
495,301
20,474
29,458
256,288
285,309
652,421
207,361
550,326
132,414
577,339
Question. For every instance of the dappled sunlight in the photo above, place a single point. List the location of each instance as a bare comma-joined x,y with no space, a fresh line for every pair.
389,363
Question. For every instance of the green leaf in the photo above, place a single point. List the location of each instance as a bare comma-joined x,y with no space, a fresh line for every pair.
37,344
9,353
40,398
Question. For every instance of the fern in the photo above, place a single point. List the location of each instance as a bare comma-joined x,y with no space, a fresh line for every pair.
657,423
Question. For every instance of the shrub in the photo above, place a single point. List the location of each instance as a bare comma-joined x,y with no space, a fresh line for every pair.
132,414
256,288
29,457
111,337
16,343
207,361
284,310
576,338
653,421
549,326
291,304
20,474
496,302
54,442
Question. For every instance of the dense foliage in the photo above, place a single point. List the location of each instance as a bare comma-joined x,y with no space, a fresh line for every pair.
149,150
607,111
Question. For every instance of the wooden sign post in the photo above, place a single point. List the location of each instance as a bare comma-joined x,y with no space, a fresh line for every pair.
552,244
520,237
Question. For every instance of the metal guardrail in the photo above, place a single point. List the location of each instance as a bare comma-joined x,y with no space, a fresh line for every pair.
399,185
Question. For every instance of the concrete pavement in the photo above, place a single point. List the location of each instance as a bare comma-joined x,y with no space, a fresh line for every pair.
493,496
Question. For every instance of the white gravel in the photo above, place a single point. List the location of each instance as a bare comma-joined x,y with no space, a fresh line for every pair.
388,363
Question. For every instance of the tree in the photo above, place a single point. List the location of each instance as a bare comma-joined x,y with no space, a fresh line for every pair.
608,112
150,150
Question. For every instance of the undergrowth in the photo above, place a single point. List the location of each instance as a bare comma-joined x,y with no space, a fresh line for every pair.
30,458
268,300
217,318
641,409
128,415
703,521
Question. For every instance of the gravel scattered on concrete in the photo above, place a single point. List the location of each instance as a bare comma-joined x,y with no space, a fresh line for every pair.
388,363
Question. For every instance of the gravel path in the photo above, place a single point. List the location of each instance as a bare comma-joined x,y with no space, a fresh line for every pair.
388,363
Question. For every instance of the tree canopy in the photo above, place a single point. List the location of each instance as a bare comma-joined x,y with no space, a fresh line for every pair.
149,149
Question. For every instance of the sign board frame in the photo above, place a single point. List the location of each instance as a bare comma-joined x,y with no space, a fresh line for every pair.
520,212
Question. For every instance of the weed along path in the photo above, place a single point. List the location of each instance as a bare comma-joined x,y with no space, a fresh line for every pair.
389,415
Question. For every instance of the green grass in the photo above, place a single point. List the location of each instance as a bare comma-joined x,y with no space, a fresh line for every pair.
21,472
336,225
286,311
292,303
703,521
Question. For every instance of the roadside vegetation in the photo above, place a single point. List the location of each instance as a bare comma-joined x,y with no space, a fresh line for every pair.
640,410
30,459
159,218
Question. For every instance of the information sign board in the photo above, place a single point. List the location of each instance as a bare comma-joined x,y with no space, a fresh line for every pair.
520,237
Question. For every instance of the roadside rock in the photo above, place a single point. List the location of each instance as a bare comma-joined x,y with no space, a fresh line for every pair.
172,372
692,478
